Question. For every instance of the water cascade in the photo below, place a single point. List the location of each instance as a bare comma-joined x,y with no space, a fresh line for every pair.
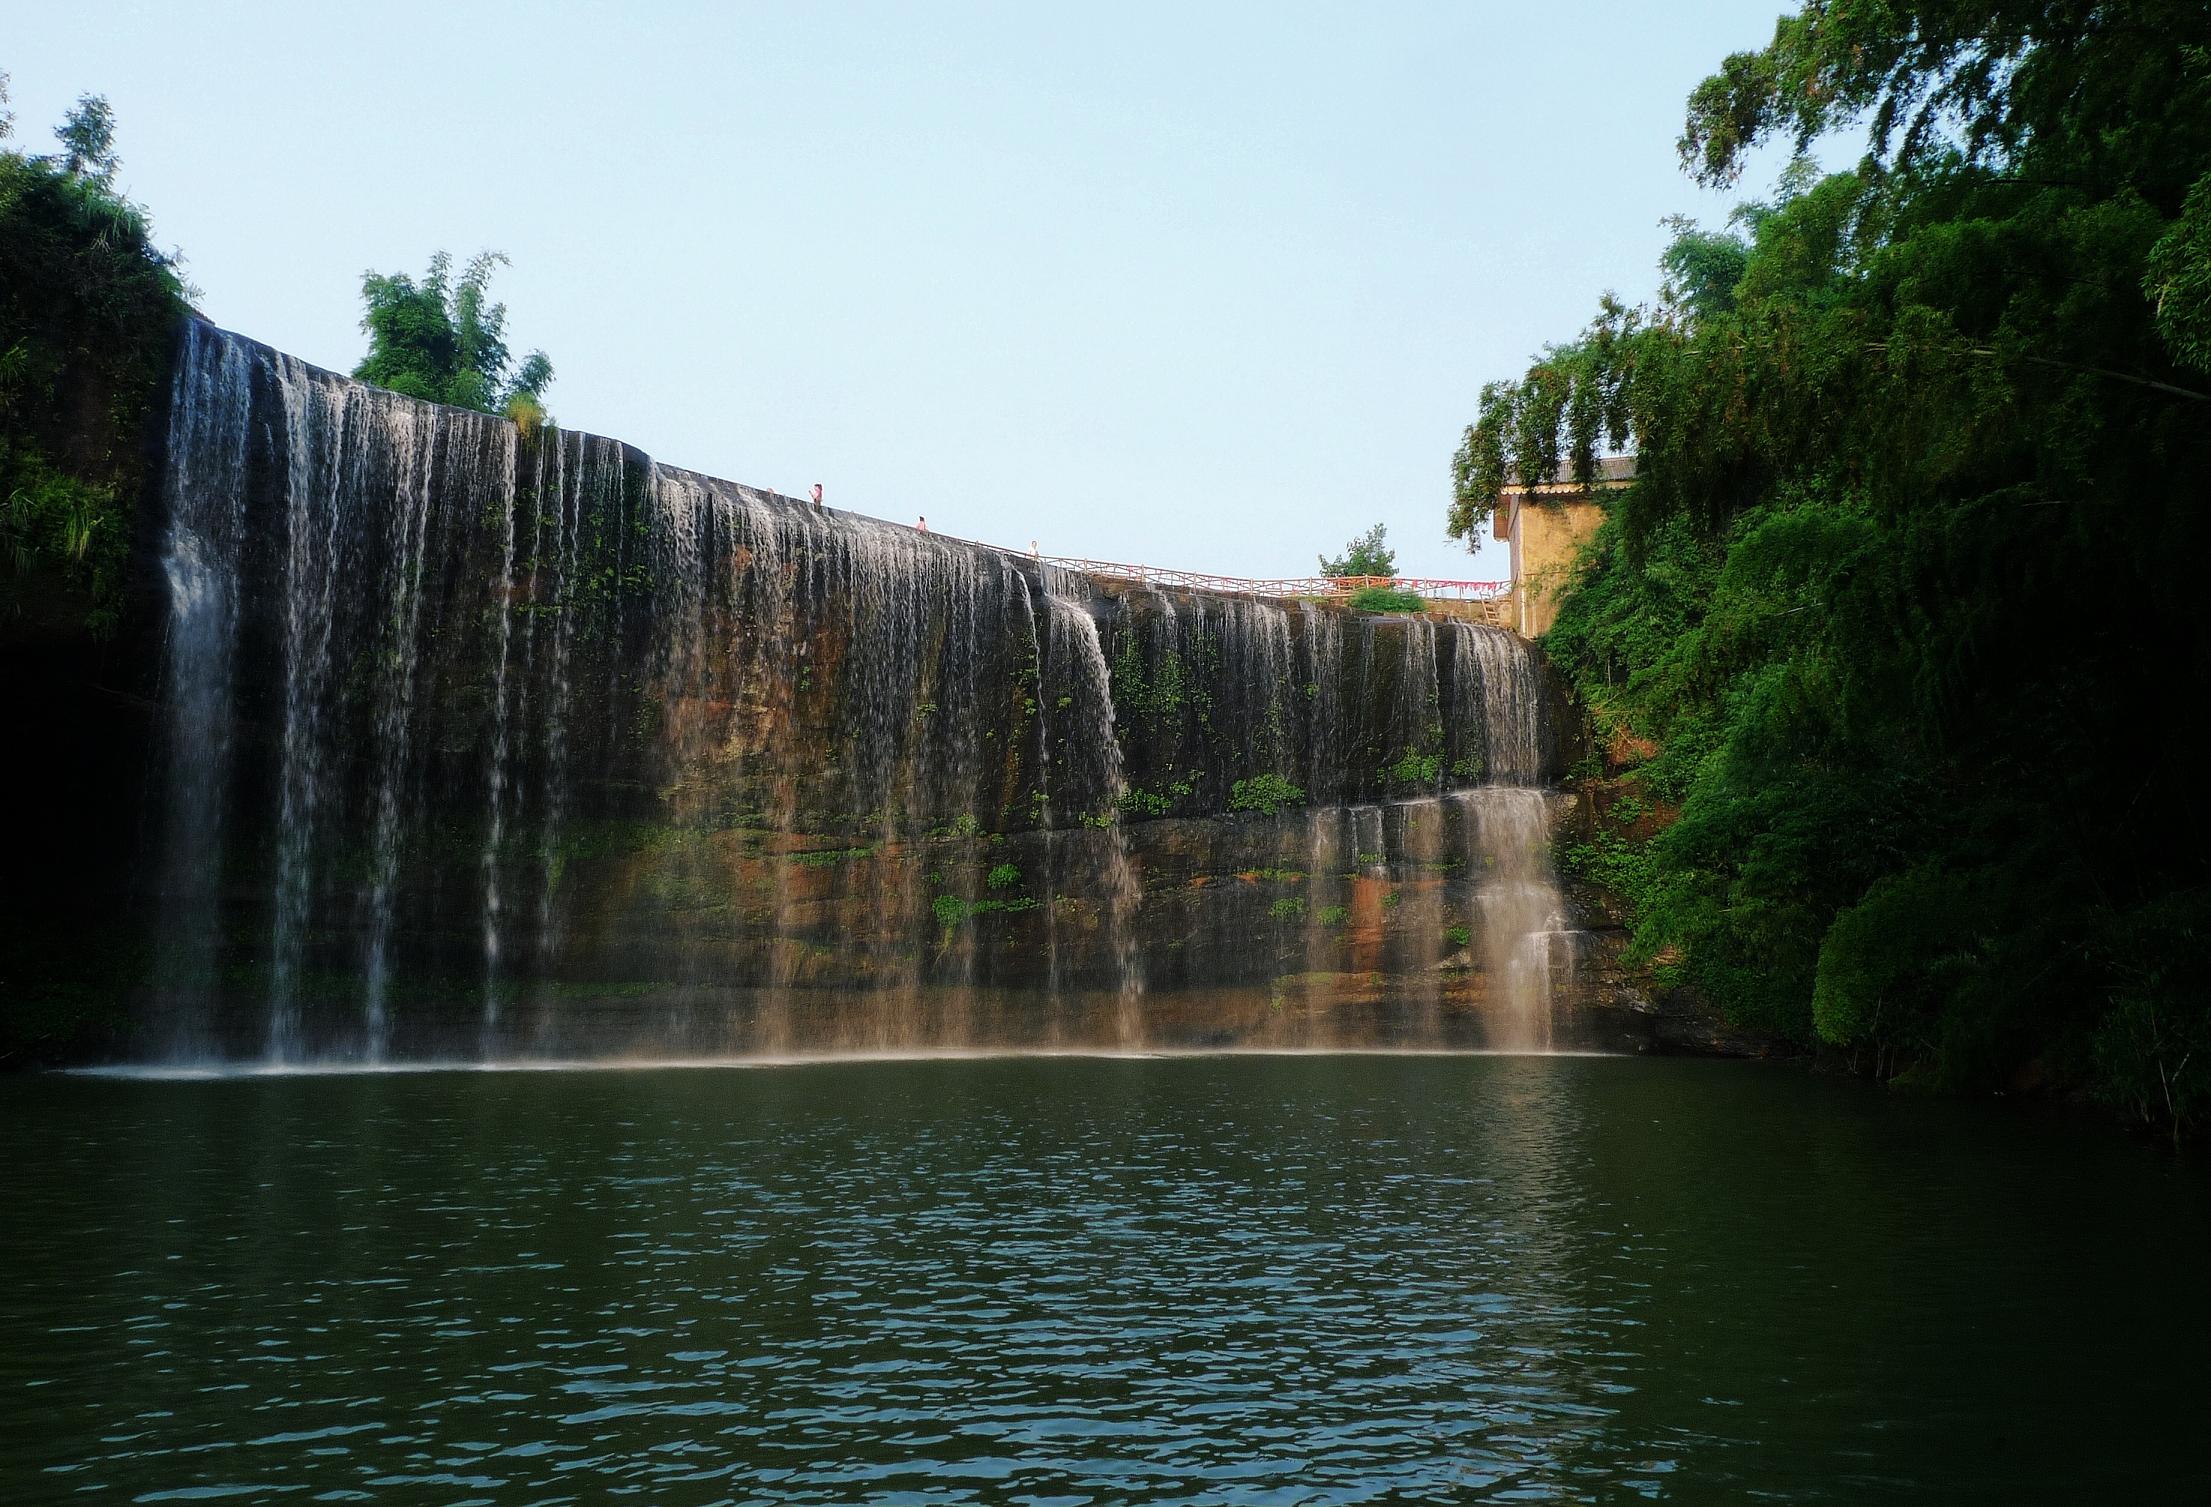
492,743
1076,660
204,484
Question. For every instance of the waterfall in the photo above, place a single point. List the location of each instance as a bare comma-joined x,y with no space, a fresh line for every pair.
355,477
579,475
497,773
203,494
1497,672
1518,907
484,743
1519,913
1369,851
1424,919
1417,718
311,456
1075,659
1321,640
420,439
1325,901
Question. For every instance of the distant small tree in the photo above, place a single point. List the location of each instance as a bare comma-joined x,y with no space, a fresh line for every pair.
7,116
87,137
446,341
1365,555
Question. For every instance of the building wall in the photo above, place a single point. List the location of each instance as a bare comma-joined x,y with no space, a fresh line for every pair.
1547,536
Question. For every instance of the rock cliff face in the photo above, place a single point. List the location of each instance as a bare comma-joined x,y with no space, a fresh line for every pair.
482,742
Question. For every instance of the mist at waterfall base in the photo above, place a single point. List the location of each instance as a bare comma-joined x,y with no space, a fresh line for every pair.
485,745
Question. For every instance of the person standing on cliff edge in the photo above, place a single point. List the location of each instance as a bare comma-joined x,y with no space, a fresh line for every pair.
817,499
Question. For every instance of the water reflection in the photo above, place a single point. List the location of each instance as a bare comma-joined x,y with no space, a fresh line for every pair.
1288,1279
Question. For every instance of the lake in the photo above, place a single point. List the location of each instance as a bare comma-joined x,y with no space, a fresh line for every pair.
1066,1280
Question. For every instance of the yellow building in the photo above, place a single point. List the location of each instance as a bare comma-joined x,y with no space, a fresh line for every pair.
1546,525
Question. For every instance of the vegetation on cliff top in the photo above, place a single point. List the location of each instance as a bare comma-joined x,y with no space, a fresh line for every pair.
88,312
1385,599
1365,555
444,340
1908,584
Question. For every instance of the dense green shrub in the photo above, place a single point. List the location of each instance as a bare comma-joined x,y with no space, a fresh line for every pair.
1386,599
1265,793
951,910
2153,1047
88,319
1413,767
1890,964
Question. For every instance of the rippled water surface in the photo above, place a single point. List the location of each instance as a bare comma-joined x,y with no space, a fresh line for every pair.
1062,1281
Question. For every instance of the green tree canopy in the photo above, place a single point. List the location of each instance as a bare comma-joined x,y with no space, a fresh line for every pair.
1365,555
444,340
1910,572
1703,268
87,137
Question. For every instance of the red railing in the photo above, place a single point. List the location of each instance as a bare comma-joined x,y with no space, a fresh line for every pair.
1284,586
1434,587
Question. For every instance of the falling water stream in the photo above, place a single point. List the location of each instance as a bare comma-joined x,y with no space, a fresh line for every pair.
1077,660
205,484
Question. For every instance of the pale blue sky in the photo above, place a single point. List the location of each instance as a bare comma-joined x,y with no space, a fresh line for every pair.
1210,286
